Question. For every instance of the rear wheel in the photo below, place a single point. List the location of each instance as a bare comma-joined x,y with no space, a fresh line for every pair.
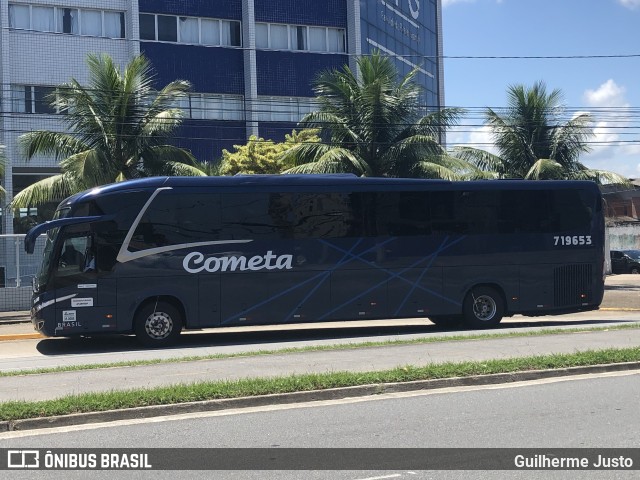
158,324
483,307
635,270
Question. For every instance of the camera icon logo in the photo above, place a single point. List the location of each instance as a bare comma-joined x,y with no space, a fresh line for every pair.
23,459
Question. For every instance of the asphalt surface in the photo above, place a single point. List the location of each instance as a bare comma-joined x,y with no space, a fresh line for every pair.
621,304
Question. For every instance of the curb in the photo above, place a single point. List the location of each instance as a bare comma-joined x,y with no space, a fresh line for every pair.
619,309
21,336
308,396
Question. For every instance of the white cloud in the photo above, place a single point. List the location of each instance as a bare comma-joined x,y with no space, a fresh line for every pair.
609,94
632,4
611,115
469,136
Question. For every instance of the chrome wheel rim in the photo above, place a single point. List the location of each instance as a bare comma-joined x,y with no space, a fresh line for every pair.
158,325
484,307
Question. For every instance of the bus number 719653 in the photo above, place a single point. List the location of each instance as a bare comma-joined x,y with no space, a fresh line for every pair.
568,240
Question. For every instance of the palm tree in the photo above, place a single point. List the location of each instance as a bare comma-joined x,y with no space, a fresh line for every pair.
117,125
372,124
534,142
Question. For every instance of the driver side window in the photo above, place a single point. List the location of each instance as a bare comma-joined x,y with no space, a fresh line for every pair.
76,256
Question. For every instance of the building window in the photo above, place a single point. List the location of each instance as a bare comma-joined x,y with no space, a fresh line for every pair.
114,24
262,35
207,106
284,109
167,28
42,19
190,30
19,16
318,39
279,37
337,40
91,23
33,99
300,38
73,21
210,31
147,27
231,33
67,20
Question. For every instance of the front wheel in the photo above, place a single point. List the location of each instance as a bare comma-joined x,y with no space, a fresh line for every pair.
158,324
635,270
483,307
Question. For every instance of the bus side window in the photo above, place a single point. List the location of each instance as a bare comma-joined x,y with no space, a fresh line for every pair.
76,257
71,259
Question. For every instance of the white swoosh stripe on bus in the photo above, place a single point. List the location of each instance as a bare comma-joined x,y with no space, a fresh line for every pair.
51,302
127,256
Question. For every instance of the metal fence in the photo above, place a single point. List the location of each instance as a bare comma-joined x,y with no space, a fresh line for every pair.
17,269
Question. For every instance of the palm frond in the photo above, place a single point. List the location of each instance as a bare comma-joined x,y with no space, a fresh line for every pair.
317,168
426,169
89,169
546,169
483,160
602,177
51,189
183,170
56,144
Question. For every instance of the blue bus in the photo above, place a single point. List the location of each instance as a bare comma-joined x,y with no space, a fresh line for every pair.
158,255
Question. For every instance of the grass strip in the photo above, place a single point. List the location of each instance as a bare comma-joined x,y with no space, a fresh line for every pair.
181,393
316,348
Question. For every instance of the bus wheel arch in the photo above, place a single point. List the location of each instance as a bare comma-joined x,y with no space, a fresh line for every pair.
484,306
158,321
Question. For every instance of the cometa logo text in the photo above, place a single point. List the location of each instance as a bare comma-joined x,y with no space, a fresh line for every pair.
195,262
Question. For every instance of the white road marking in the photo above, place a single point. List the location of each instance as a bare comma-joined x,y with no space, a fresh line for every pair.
381,478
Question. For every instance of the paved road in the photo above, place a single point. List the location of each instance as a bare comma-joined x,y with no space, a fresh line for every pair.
594,411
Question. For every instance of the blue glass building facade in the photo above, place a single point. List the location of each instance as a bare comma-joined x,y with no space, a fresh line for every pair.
252,62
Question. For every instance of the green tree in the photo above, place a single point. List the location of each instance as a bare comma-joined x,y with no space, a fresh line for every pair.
209,168
261,156
118,126
372,124
535,142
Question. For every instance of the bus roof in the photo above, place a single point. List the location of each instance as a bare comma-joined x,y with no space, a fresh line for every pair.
250,182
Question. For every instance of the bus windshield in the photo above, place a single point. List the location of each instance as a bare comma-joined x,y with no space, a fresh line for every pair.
43,273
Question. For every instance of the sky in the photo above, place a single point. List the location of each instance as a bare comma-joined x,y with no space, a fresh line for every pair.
607,88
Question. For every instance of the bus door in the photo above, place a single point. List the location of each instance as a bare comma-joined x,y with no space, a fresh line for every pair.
77,290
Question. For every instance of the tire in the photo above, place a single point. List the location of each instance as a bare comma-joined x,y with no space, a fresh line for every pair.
447,321
158,324
483,307
635,270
